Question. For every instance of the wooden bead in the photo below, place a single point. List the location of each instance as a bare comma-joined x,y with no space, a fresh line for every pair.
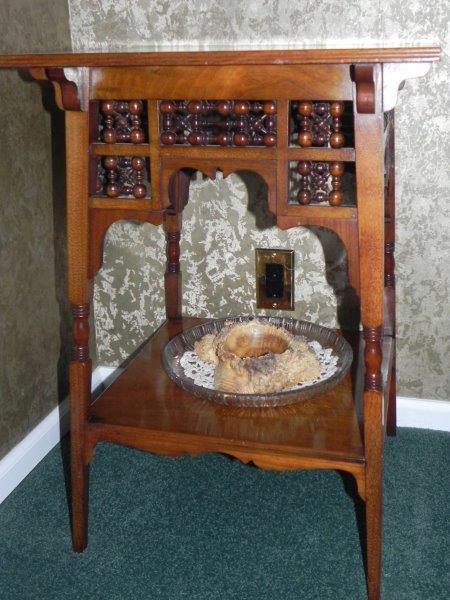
320,109
304,197
335,198
110,162
195,138
304,139
135,107
168,138
270,107
112,190
269,139
241,107
241,139
337,109
138,163
304,168
107,108
109,136
336,139
167,107
305,108
224,108
137,136
139,190
224,138
195,107
336,169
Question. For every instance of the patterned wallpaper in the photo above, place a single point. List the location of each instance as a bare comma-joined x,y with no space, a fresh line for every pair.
33,312
226,219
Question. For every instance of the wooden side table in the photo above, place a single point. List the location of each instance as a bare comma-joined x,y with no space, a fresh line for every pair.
137,124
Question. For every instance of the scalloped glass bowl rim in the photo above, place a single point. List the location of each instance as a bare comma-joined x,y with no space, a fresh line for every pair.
327,337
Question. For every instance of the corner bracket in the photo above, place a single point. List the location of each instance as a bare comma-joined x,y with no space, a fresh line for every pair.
364,78
70,85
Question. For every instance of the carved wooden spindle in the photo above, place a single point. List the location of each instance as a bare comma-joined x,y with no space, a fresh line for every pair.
372,358
241,109
121,121
337,137
319,181
173,251
138,166
80,332
168,136
304,137
304,195
107,110
320,123
112,188
195,108
389,265
270,110
225,109
136,134
172,277
336,171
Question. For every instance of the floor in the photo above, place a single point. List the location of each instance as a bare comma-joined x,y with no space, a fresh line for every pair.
211,528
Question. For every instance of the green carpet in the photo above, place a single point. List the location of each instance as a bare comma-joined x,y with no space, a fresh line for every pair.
213,528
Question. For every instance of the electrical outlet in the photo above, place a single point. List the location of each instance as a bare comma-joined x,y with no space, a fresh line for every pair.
274,278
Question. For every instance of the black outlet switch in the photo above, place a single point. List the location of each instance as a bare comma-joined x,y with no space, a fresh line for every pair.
274,280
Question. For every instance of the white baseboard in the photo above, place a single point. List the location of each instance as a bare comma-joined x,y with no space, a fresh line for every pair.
425,414
21,460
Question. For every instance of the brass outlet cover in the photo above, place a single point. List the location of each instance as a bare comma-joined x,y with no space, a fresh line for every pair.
264,256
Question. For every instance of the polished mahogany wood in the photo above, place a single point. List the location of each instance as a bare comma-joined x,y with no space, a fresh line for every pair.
389,262
324,427
172,276
369,151
226,57
117,116
79,292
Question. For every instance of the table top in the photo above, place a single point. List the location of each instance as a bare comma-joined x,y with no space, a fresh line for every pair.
236,56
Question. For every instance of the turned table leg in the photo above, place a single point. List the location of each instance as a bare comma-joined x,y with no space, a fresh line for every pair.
389,277
373,446
80,383
371,229
79,297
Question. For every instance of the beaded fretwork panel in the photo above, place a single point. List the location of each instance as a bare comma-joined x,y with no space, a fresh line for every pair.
321,124
119,176
218,123
122,121
326,183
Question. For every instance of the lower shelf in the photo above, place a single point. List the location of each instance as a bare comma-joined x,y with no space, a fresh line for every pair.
143,408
